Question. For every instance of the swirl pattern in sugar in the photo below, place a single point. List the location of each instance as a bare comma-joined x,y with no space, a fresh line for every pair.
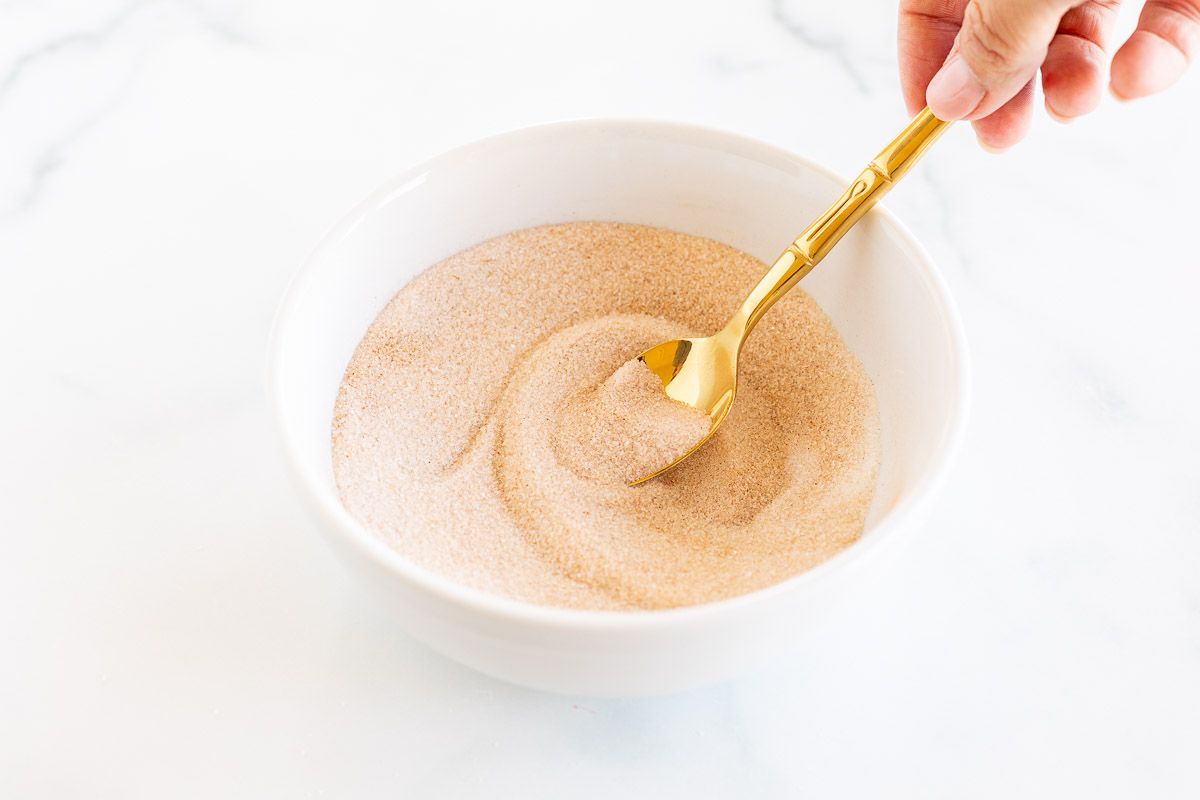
455,434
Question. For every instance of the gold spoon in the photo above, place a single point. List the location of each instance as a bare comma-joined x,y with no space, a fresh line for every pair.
702,373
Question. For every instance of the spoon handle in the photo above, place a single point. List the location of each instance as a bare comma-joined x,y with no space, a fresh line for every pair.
892,164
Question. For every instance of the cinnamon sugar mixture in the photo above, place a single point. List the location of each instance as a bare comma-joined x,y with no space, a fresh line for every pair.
490,418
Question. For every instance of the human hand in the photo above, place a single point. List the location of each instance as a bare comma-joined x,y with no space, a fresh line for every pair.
996,47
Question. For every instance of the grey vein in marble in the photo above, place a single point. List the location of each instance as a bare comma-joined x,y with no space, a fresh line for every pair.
100,36
1099,395
93,38
53,157
834,47
218,27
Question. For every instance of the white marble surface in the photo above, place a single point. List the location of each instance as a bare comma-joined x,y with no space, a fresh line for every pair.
172,627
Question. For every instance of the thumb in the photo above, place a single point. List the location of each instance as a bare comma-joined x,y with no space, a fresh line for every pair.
998,50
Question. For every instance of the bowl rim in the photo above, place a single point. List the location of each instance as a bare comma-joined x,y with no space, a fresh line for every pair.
911,508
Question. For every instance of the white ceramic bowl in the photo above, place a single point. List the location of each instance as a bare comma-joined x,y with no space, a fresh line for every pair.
879,286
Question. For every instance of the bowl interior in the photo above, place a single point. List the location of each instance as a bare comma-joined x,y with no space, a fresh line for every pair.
877,286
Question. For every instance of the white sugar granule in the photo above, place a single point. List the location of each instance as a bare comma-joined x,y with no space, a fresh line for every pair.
491,416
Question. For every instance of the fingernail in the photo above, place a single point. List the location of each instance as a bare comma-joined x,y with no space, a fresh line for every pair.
1057,117
954,92
987,148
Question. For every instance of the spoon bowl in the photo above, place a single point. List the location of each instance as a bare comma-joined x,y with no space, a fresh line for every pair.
701,373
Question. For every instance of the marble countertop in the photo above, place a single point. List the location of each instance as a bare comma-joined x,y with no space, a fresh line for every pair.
174,627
